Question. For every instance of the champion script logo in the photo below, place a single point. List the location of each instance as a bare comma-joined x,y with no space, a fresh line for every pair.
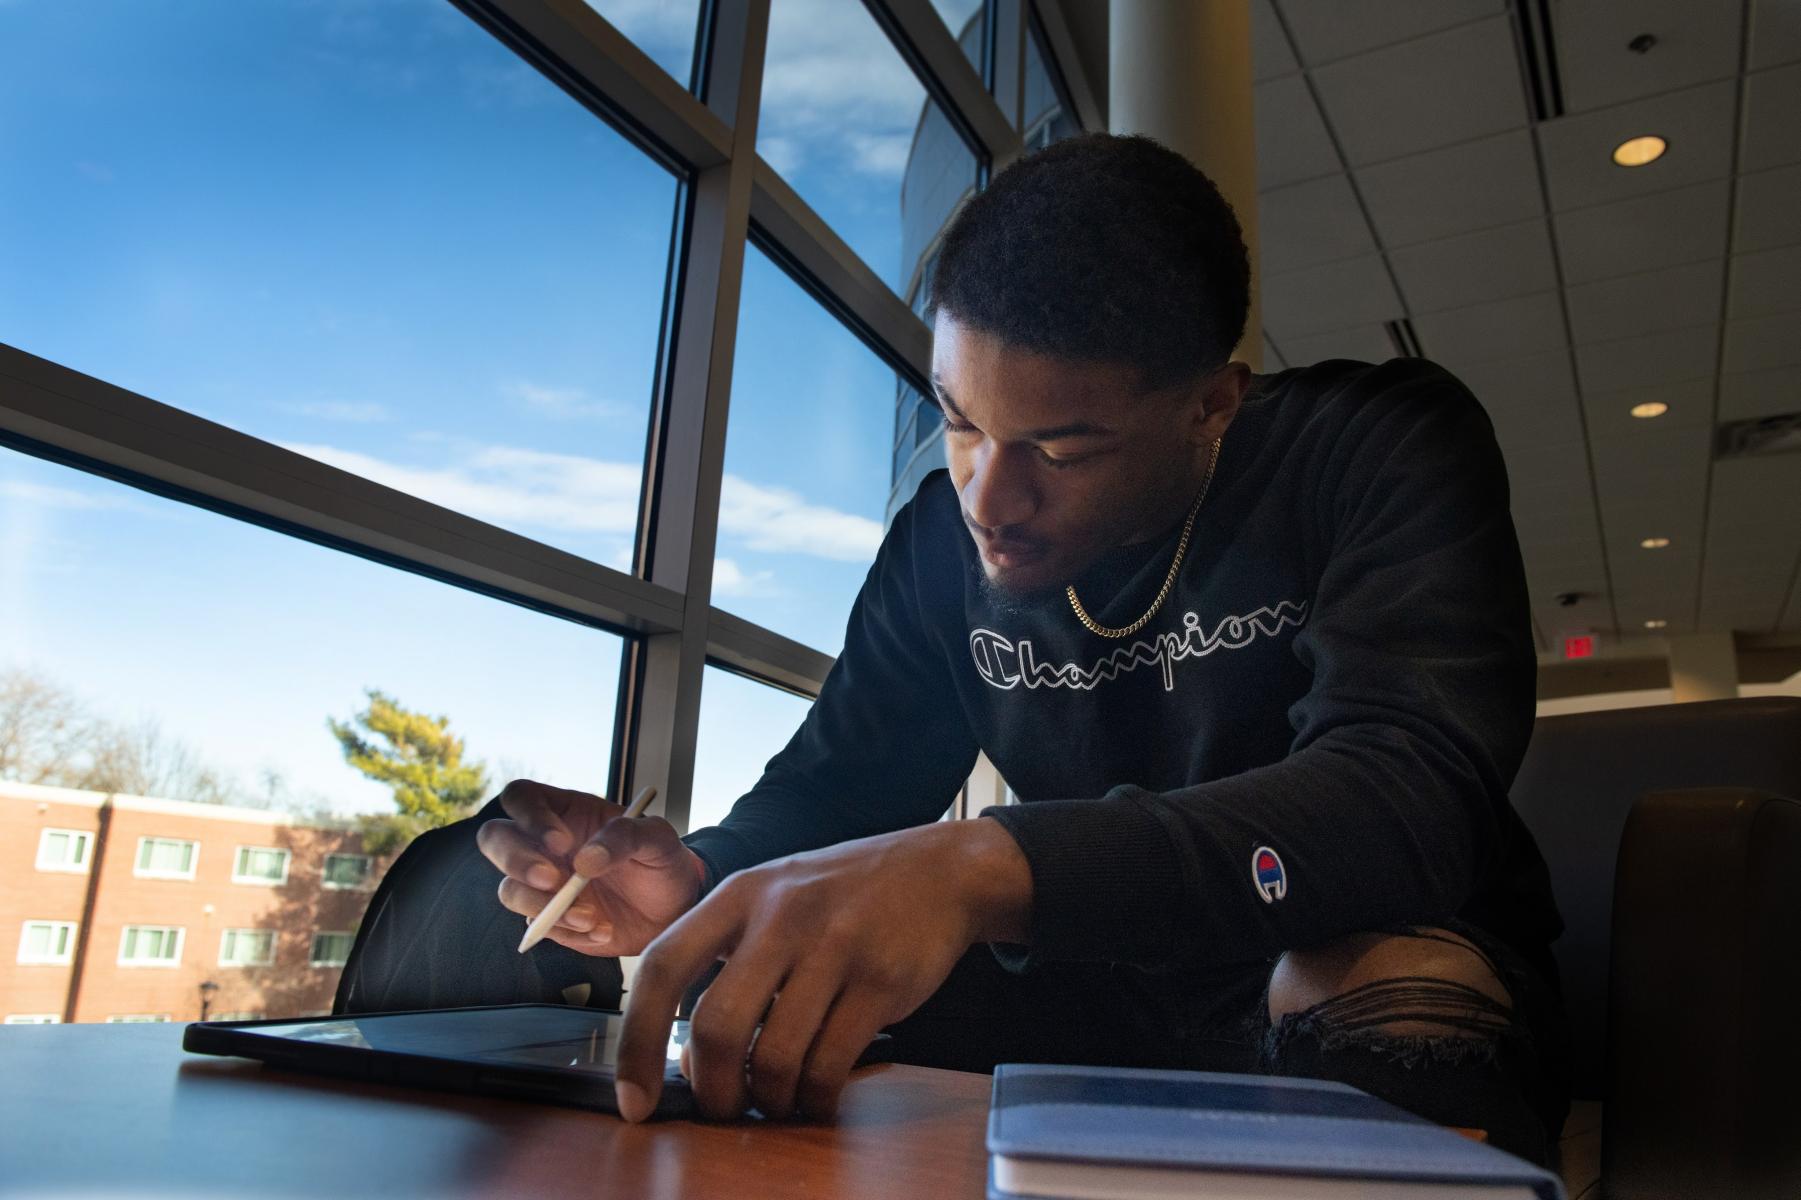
1004,664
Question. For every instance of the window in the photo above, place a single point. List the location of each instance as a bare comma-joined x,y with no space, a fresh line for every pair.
138,1019
742,724
247,948
964,19
63,850
151,946
331,949
166,858
345,870
1049,116
235,1016
663,29
34,1019
47,942
260,864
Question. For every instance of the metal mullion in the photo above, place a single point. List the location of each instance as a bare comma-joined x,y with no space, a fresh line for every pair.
1061,47
113,431
920,35
688,467
750,649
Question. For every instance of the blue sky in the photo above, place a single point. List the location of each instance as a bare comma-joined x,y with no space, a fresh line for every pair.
365,231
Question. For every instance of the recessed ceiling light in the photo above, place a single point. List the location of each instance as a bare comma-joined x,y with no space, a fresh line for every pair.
1655,624
1639,151
1651,408
1655,543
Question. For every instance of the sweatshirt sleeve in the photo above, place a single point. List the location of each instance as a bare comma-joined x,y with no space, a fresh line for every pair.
885,747
1387,807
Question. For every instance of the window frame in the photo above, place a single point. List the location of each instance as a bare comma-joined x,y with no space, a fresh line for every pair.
236,933
181,938
237,862
65,867
33,1019
312,953
67,957
137,1019
362,885
139,871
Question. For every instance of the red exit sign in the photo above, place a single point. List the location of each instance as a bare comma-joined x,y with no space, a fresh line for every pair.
1580,645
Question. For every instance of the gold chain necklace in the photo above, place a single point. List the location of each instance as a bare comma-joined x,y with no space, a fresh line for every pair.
1169,581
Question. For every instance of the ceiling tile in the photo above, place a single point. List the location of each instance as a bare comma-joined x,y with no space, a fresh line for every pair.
1771,393
1270,54
1696,43
1306,224
1498,329
1765,283
1365,343
1775,33
1681,225
1644,462
1768,212
1756,504
1333,296
1742,612
1531,400
1494,264
1609,414
1395,101
1564,462
1329,29
1652,358
1760,343
1772,119
1578,150
1292,142
1651,302
1446,192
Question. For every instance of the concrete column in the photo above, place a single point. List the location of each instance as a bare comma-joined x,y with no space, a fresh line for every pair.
1180,71
1703,666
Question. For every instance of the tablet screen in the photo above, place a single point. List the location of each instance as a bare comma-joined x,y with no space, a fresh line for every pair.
566,1038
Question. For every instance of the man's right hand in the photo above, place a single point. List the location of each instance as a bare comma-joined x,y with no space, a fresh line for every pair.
641,876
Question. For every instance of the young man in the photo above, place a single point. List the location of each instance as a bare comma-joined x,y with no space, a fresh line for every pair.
1253,652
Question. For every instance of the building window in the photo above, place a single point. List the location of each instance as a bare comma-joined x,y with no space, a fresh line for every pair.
331,949
237,1016
64,849
150,946
260,864
138,1019
247,948
47,942
166,858
34,1019
346,870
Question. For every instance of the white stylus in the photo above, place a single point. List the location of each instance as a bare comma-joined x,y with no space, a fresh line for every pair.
559,903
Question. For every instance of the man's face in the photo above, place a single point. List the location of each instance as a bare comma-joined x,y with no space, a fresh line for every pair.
1056,461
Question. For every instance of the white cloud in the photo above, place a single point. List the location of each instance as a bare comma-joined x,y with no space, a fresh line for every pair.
730,579
563,404
46,496
778,520
350,411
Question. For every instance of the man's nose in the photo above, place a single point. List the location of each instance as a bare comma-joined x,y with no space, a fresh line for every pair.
999,492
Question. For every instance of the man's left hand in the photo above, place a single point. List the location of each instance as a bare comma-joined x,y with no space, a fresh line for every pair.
823,949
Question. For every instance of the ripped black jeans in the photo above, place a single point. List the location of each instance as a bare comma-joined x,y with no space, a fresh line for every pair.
1500,1068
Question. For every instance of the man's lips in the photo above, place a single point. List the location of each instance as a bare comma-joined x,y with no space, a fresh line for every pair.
1008,552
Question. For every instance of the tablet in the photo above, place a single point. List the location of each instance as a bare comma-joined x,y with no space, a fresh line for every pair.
544,1052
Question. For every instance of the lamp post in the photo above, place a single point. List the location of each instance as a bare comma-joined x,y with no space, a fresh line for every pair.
206,997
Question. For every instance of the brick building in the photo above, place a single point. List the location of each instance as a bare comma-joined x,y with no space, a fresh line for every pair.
127,907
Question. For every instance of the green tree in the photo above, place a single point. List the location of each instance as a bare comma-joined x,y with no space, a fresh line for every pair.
419,759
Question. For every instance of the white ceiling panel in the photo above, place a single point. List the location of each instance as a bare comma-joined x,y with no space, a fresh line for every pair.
1753,611
1270,53
1762,343
1642,464
1493,264
1696,43
1533,420
1769,210
1771,393
1660,230
1333,296
1564,462
1671,298
1772,119
1775,32
1476,185
1306,224
1498,329
1578,150
1634,612
1328,29
1649,359
1765,283
1292,142
1391,102
1609,414
1756,504
1365,343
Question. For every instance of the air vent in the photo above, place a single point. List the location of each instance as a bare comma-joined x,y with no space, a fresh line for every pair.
1401,336
1538,51
1780,434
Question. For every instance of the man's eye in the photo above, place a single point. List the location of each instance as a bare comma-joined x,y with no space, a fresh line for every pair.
1060,463
957,426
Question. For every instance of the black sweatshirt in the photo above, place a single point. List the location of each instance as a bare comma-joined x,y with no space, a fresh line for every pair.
1315,734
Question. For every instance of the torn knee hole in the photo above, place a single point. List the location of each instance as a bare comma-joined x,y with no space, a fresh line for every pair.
1413,1016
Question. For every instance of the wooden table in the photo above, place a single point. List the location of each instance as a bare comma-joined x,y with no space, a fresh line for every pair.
110,1109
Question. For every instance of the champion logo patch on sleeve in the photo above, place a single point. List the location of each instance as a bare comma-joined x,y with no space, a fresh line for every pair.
1268,875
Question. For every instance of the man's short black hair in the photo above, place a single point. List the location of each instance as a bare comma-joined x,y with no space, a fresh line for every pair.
1101,248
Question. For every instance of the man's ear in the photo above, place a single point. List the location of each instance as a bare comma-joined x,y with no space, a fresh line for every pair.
1222,391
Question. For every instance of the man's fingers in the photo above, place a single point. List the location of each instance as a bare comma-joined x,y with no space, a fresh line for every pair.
670,964
540,809
856,1017
650,841
724,1023
518,855
790,1028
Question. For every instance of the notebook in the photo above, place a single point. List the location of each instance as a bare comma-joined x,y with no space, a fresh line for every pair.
1115,1133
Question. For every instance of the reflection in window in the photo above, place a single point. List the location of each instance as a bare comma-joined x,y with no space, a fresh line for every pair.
331,949
663,29
63,850
47,942
151,945
800,510
1049,116
247,948
345,870
964,18
260,864
743,723
165,858
376,237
